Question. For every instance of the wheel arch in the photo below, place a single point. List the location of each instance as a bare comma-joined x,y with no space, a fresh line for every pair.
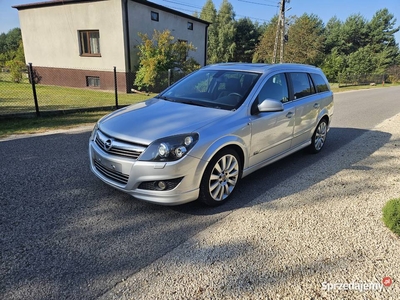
324,114
238,150
327,113
234,142
326,117
312,147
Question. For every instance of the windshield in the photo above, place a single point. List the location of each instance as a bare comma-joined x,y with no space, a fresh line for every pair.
213,88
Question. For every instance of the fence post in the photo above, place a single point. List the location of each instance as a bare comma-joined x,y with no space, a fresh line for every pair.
116,87
169,76
33,89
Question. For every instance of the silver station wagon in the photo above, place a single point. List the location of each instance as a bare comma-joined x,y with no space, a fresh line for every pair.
199,137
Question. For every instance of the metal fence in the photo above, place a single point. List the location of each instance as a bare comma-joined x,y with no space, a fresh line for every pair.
361,79
35,91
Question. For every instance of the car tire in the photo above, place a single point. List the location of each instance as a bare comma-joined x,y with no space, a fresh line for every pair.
319,137
220,178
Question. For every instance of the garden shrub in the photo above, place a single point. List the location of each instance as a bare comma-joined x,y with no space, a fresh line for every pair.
391,215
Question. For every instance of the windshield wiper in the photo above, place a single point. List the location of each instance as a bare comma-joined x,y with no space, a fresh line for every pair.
181,101
166,98
192,103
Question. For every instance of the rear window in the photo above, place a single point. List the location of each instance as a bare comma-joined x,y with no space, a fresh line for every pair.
319,83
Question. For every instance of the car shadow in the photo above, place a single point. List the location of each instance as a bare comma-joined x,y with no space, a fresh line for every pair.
259,182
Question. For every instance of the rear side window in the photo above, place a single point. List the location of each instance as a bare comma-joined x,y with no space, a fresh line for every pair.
302,87
320,83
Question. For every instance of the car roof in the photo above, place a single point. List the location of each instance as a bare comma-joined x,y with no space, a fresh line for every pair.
263,68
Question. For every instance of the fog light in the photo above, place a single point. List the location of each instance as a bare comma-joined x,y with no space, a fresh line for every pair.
162,185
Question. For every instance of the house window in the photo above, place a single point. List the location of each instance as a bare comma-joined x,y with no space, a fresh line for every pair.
190,26
92,81
89,42
154,16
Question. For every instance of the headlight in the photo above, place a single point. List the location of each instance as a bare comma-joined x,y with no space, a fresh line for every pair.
94,131
170,148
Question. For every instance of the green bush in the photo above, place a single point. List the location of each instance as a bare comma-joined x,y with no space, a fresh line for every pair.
391,215
15,67
157,55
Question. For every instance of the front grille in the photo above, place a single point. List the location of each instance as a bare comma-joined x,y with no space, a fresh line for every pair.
118,148
111,174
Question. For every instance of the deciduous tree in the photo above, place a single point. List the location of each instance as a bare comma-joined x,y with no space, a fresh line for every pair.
160,53
362,61
11,46
334,64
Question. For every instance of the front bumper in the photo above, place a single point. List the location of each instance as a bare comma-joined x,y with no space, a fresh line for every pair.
127,174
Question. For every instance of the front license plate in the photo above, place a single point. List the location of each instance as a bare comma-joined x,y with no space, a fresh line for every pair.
113,166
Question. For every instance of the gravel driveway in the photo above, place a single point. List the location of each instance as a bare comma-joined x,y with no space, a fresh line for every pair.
324,242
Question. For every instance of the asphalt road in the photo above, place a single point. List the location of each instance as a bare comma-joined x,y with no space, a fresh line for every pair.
66,235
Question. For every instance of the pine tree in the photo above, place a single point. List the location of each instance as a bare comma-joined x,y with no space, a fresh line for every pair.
246,38
265,48
354,34
332,34
209,14
226,33
305,40
381,30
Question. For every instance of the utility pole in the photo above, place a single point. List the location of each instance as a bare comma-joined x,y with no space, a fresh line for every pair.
280,31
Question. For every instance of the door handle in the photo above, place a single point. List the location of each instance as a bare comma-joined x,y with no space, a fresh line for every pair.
289,115
316,105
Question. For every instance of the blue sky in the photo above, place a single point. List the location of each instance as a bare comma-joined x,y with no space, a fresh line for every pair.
257,10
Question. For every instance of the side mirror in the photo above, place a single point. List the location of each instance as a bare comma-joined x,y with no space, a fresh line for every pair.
269,105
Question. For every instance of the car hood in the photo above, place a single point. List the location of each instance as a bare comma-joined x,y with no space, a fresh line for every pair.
147,121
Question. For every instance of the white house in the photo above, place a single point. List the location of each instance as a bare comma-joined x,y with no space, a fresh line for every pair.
78,42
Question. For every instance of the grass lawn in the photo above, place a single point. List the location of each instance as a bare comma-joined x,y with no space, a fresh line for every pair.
336,89
36,125
18,98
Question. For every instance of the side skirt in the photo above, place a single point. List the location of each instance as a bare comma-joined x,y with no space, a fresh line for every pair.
274,159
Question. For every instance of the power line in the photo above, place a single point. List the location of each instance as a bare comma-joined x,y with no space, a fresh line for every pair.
194,11
271,1
183,4
258,3
201,8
